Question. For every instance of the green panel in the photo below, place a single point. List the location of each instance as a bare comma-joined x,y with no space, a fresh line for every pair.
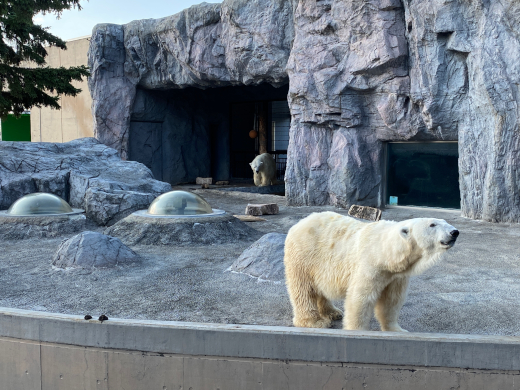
424,174
16,129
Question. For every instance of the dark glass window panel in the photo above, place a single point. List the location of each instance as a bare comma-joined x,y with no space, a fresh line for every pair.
424,174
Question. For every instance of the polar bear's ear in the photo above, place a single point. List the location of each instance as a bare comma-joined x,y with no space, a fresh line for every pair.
251,164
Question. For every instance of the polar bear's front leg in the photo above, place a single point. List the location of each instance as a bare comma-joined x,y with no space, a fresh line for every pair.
359,304
265,180
257,178
390,303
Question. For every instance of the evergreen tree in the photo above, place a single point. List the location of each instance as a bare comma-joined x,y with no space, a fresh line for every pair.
25,80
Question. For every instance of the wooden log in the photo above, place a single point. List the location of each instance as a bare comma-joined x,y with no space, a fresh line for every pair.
249,218
262,209
204,180
365,212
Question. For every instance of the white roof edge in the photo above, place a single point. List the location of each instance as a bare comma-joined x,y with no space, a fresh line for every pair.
78,38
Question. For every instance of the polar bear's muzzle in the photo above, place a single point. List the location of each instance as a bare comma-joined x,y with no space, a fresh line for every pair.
451,241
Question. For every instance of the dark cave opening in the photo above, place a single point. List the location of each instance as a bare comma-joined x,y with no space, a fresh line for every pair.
187,133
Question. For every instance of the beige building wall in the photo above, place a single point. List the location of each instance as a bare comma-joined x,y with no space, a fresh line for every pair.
74,120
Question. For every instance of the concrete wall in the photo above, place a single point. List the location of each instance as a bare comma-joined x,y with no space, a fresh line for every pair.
74,120
52,351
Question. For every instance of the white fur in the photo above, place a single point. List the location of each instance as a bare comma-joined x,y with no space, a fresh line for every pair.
264,170
330,256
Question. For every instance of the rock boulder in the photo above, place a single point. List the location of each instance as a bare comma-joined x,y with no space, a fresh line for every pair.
93,250
263,259
84,172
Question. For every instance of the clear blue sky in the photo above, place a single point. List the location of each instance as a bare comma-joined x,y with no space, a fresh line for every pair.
74,23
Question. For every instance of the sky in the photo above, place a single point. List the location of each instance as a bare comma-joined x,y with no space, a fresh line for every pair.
75,24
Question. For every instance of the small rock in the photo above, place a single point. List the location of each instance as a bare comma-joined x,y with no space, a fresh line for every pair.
204,180
88,317
93,250
262,209
365,212
249,218
222,183
102,318
263,259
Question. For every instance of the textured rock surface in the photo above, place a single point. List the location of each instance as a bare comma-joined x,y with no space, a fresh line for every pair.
84,172
413,70
20,228
93,250
263,259
360,73
141,230
209,45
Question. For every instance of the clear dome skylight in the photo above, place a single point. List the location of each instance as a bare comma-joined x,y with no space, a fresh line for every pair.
179,203
39,203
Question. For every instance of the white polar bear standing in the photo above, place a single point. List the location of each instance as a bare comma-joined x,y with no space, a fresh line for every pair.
264,170
331,256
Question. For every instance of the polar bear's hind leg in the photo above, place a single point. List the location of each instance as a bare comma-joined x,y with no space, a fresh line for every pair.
328,310
305,305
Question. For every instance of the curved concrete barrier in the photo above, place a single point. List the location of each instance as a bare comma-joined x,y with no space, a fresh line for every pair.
54,351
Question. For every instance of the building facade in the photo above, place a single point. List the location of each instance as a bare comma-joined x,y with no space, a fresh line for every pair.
74,119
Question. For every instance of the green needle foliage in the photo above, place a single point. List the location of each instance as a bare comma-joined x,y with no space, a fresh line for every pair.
25,79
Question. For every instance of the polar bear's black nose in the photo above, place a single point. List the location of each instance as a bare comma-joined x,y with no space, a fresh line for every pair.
454,233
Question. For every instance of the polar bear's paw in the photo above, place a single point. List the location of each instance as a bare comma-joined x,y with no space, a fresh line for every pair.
312,322
335,315
394,328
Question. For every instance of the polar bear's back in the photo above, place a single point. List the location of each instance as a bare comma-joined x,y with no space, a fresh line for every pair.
323,246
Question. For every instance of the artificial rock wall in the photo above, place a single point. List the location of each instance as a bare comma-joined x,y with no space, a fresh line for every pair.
360,73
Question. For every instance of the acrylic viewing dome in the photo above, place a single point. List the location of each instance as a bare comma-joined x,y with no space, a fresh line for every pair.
39,204
179,203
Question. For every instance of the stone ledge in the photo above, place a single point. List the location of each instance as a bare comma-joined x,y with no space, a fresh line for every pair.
266,342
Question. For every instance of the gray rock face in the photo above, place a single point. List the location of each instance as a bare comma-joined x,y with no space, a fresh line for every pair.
360,74
142,230
20,228
396,71
208,45
263,259
93,250
84,172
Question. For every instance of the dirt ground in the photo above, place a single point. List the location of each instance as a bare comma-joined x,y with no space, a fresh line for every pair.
474,291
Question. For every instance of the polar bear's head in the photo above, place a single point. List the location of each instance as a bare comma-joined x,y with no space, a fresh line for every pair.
430,234
255,165
426,240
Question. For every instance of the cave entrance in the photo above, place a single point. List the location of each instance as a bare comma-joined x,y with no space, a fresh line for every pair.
423,174
187,133
259,127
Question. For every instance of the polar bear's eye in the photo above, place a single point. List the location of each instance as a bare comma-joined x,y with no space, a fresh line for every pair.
433,225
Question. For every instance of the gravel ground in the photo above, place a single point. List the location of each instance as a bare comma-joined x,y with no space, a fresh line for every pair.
474,291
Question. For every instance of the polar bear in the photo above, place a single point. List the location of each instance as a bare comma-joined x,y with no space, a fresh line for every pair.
331,256
264,170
